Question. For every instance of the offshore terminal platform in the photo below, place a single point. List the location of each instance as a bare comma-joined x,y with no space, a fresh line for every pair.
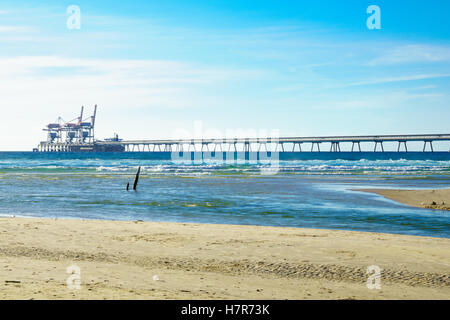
77,135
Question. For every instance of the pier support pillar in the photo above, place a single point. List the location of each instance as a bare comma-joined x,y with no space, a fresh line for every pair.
425,145
218,144
318,146
335,147
404,143
358,143
207,146
376,144
261,144
299,146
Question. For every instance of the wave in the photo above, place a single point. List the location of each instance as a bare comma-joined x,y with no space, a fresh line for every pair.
167,167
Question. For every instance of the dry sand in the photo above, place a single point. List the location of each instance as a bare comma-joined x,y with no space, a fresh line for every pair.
430,199
143,260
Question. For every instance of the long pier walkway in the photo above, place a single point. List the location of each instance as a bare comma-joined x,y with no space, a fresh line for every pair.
277,144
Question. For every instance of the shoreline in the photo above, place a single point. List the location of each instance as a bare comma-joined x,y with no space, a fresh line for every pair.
219,224
161,260
437,199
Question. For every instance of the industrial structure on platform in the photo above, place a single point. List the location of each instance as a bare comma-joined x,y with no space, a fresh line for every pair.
77,135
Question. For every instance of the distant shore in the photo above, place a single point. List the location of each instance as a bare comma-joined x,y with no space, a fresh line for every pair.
430,199
150,260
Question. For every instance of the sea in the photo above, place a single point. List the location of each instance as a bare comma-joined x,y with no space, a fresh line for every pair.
307,190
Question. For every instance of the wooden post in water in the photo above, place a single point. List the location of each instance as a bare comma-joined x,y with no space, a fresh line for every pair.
136,180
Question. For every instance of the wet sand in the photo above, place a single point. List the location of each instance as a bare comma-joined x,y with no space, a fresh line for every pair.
148,260
431,199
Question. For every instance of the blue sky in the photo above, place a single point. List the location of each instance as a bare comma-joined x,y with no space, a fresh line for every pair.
155,67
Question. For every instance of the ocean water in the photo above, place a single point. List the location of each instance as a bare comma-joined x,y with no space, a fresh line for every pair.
314,191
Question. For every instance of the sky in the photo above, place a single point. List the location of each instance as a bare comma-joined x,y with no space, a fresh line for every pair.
164,69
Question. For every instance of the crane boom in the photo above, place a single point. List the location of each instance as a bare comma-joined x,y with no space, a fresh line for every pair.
80,119
95,114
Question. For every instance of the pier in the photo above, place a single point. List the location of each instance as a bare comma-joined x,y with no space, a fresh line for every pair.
284,144
77,135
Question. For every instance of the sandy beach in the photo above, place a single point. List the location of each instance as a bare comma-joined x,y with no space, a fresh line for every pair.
431,199
143,260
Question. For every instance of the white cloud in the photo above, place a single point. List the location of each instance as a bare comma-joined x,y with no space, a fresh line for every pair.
413,53
140,77
397,79
330,84
13,28
377,101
